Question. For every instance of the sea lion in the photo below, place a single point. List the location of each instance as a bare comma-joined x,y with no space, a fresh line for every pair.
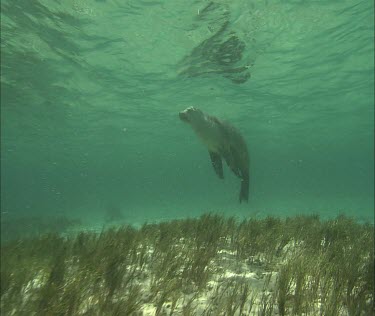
222,141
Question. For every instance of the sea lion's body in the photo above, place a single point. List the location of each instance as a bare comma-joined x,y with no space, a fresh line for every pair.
223,141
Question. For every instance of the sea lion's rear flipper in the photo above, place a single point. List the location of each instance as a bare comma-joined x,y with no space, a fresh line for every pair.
244,193
217,164
233,159
230,158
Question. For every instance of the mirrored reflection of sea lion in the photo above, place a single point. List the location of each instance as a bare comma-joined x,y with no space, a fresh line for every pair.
223,141
222,50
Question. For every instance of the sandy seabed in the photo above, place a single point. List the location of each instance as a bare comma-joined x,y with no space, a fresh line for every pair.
211,265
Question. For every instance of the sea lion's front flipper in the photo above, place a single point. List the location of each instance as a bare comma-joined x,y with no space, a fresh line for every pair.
217,164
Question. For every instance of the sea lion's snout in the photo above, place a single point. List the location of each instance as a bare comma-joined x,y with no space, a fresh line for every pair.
190,114
183,116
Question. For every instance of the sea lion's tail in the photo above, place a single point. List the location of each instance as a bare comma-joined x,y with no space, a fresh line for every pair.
244,193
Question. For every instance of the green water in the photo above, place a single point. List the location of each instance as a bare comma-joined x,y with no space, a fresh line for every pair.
90,95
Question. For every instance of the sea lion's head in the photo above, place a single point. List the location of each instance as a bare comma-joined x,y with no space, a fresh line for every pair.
191,115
